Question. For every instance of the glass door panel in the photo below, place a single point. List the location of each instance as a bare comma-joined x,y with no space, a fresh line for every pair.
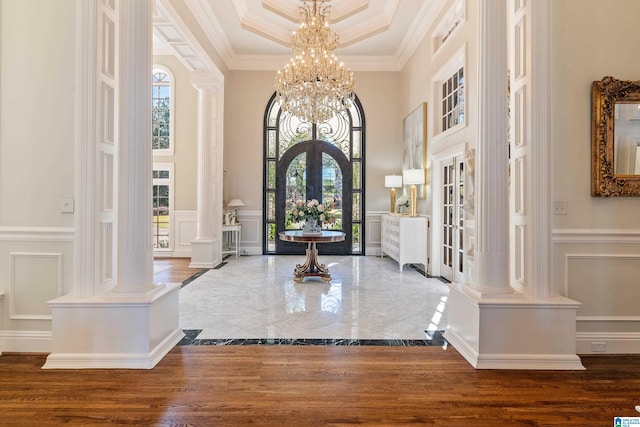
332,189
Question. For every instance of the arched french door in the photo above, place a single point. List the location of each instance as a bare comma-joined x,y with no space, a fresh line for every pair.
314,170
323,161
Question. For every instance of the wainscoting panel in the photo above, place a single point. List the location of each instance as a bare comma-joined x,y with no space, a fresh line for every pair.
374,233
185,230
36,266
35,279
597,279
600,270
251,221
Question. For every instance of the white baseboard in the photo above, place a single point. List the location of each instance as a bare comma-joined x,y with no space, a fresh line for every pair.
25,341
513,361
115,360
608,342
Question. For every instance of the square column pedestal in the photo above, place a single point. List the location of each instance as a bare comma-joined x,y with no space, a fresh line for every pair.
512,331
115,330
205,253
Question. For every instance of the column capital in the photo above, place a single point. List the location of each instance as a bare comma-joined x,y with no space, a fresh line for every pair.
206,80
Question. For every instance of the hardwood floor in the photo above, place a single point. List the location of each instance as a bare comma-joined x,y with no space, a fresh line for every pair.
173,270
317,385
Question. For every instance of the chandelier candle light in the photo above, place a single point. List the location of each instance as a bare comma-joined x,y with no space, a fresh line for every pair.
393,181
314,86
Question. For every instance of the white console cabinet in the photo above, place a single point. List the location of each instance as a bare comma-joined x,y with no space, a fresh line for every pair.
404,239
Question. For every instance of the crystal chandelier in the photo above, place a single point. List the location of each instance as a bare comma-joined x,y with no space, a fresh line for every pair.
314,85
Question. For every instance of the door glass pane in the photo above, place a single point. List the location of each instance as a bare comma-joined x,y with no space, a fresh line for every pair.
271,183
356,237
356,144
296,183
271,206
272,144
356,175
332,188
356,207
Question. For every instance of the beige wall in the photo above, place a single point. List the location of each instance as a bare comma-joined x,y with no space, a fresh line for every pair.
592,263
37,78
246,96
420,83
185,136
591,41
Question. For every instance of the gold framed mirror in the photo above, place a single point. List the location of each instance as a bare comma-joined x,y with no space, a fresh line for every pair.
615,138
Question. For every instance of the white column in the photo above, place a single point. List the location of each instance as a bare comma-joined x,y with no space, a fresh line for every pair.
134,155
488,317
136,323
206,248
541,185
492,195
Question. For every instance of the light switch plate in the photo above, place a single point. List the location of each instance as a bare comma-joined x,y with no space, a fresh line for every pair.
66,204
560,207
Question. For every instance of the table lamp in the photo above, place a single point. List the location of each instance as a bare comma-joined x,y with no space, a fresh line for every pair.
393,181
235,203
413,177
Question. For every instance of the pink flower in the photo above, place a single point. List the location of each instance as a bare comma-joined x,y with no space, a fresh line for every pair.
320,208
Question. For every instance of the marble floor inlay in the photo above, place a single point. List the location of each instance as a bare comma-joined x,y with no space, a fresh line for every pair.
254,300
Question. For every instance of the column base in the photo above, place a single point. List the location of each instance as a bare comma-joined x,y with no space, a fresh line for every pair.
114,331
205,253
512,331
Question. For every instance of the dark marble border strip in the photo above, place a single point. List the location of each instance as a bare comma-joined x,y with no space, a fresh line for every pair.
194,277
433,339
427,275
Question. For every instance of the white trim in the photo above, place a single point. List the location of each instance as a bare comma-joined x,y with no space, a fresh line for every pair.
186,46
444,26
595,236
37,234
608,319
26,341
458,60
437,159
614,342
114,360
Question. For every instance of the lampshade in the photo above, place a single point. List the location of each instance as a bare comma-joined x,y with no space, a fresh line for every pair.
235,203
413,176
391,181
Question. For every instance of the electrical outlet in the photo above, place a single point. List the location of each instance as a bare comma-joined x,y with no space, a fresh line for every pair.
598,347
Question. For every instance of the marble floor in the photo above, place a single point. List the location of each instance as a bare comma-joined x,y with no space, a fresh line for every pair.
255,297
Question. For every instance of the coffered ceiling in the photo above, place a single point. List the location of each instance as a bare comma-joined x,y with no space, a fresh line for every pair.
255,34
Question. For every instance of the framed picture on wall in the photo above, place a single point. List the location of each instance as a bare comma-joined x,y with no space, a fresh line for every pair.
415,142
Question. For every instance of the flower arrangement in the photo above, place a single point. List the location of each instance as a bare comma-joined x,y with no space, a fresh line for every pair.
312,209
402,203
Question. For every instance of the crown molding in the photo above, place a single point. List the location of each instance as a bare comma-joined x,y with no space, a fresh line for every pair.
212,28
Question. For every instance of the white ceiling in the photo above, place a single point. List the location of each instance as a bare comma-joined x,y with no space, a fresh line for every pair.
255,34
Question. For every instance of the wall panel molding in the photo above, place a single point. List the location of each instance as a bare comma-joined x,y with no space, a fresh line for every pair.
595,236
37,234
30,274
